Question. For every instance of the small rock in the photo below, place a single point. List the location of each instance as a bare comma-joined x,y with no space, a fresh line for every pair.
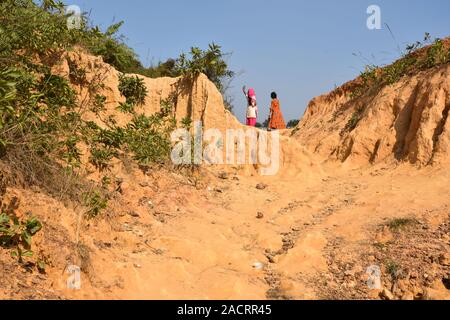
272,259
386,295
286,285
444,259
218,190
223,175
260,215
144,184
134,214
138,266
409,296
261,186
349,273
350,284
235,178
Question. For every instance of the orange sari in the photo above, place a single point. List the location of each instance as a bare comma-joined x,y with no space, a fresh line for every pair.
276,118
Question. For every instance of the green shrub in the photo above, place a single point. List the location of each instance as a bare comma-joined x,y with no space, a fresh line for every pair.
101,157
17,234
77,75
98,104
95,202
112,48
354,120
209,62
437,54
33,29
133,89
56,93
393,269
69,151
186,123
414,60
162,69
400,224
126,107
148,138
291,123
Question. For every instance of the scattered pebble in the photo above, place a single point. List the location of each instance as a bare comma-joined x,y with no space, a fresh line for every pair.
386,295
134,214
260,215
261,186
444,259
223,175
272,259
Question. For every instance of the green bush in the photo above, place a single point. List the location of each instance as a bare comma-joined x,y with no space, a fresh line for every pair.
292,123
98,105
354,120
95,202
416,58
112,48
162,69
41,120
126,107
17,234
209,62
437,54
148,138
133,89
101,157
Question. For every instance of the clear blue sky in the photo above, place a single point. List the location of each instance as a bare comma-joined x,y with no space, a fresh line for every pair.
300,49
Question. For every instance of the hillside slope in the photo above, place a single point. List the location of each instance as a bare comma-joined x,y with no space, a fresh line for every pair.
404,121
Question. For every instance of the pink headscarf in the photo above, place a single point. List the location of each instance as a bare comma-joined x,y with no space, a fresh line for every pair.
251,94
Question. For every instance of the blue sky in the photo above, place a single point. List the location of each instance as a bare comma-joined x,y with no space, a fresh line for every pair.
298,48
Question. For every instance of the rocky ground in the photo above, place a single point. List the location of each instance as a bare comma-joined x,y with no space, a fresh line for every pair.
230,236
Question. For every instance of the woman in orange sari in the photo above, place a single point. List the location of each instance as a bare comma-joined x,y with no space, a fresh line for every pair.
276,117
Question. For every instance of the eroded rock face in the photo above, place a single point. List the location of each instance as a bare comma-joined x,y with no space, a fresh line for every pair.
407,121
200,100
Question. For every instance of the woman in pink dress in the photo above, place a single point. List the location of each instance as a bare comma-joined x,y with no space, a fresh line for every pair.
252,108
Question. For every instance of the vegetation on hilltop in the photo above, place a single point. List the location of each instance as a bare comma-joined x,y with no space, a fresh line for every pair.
42,131
419,56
